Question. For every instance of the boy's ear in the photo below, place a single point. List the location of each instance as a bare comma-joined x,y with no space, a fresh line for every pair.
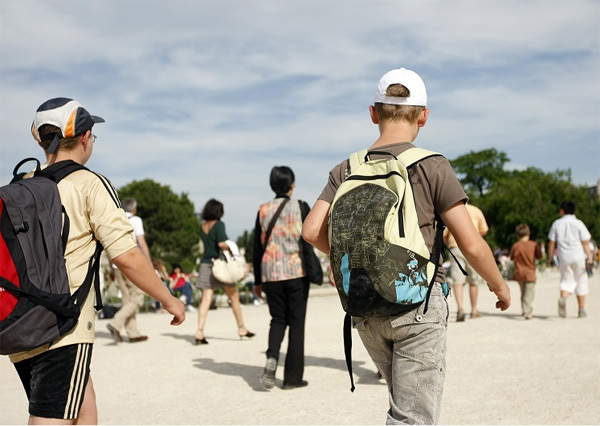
85,138
423,117
374,115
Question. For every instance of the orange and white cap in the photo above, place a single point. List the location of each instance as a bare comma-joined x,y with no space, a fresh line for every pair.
68,115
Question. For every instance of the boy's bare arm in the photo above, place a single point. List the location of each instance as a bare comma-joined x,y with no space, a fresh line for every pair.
139,270
476,251
314,230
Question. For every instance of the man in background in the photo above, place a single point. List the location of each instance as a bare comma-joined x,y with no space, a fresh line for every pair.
572,239
133,297
473,278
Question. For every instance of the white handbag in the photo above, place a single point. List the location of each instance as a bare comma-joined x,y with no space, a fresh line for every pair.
230,267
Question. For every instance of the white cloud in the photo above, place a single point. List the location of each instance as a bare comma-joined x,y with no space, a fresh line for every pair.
207,96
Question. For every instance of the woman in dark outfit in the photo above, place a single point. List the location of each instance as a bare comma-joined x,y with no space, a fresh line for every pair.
278,268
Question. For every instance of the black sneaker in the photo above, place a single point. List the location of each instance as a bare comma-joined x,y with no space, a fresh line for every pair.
268,376
300,384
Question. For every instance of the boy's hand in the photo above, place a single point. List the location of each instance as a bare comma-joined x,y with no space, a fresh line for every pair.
503,294
330,276
175,308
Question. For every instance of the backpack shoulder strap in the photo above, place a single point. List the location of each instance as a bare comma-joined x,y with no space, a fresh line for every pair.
57,172
356,159
62,169
414,155
408,158
92,278
274,219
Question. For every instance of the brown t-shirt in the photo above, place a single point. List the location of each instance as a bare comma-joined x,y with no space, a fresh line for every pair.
524,253
434,183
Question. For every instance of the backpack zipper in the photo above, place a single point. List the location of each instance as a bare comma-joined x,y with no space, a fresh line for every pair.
401,232
374,177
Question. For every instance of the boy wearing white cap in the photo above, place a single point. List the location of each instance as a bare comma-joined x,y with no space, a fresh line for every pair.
409,348
56,376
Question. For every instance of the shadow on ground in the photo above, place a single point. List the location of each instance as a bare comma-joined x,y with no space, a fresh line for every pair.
251,374
513,317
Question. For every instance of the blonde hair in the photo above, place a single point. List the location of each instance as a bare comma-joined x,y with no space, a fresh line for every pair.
47,132
522,230
160,266
408,113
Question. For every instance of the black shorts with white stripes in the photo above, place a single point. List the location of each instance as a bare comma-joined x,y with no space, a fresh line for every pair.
55,380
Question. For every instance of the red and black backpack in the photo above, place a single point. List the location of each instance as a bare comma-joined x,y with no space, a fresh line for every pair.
36,305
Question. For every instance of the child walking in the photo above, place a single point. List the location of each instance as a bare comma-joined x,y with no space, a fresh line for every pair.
524,253
409,348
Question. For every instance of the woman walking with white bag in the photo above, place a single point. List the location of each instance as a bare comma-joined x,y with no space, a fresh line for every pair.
214,239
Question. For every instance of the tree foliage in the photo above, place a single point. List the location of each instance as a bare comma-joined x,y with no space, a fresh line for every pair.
531,196
478,171
246,241
171,226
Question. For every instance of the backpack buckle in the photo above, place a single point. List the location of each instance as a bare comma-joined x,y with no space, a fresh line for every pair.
22,227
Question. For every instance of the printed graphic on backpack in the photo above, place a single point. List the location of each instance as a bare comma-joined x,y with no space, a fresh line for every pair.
378,254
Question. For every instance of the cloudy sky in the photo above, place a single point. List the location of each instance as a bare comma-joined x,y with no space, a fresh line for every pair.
207,96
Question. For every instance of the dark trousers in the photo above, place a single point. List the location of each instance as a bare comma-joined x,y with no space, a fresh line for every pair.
187,291
287,306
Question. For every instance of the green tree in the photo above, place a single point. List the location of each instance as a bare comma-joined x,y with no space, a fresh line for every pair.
478,171
171,226
533,197
246,241
529,196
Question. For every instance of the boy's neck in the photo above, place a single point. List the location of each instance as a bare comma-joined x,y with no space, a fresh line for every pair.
75,154
396,131
524,238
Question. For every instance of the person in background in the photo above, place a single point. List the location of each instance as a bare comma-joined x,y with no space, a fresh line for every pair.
161,270
180,282
524,253
473,278
212,233
56,377
572,240
278,268
409,348
249,282
133,297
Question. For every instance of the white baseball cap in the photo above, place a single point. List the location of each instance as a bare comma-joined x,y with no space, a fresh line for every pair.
407,78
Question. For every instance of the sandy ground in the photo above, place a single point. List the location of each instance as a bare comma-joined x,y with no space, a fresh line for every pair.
501,369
